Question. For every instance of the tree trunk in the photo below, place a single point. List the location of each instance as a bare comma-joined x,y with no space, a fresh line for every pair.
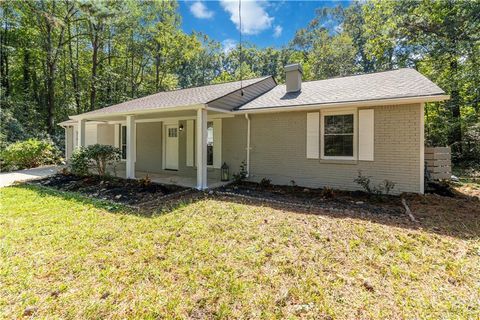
74,74
93,84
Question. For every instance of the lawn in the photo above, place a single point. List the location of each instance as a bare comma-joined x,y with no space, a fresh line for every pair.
64,256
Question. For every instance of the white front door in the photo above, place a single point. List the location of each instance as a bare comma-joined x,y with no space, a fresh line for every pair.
171,147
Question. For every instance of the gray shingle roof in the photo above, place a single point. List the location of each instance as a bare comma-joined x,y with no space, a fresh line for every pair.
402,83
181,97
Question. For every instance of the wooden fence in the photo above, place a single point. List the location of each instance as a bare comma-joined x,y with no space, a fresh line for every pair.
438,162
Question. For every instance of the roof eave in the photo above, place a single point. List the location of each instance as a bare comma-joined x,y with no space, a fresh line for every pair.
137,112
362,103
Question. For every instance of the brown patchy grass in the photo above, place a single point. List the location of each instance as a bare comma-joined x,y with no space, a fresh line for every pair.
63,256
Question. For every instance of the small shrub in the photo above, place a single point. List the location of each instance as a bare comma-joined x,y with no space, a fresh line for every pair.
265,183
79,162
103,155
145,181
382,188
242,174
96,156
29,154
328,193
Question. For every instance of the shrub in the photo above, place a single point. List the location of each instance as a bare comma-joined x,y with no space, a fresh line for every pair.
242,174
265,183
382,188
103,155
145,181
97,156
29,154
328,193
79,162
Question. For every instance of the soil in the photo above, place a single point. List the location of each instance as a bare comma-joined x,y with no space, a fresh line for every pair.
323,198
124,191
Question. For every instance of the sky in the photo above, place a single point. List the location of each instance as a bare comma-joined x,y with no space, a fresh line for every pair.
264,23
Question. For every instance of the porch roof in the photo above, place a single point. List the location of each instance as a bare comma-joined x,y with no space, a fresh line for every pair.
175,98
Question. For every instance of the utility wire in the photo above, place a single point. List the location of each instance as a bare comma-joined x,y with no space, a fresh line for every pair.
240,45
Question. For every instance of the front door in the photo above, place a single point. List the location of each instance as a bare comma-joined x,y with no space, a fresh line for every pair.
171,147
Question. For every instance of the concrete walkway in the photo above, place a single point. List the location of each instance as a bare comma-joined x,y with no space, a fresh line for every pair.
8,178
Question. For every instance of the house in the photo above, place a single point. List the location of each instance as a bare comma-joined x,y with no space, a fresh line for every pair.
314,134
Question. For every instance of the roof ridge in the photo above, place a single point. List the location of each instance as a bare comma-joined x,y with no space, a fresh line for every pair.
360,74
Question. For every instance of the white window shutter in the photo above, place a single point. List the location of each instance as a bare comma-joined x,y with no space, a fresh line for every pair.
366,134
190,128
313,135
217,143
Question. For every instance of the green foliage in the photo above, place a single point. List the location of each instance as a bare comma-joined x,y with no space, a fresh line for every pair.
29,154
79,162
265,183
383,188
97,156
242,174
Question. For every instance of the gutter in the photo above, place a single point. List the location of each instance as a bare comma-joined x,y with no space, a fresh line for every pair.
248,144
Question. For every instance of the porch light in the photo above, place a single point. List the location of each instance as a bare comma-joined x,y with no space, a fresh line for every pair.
225,172
180,128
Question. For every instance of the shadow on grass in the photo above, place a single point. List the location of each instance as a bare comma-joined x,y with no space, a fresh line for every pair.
457,217
76,197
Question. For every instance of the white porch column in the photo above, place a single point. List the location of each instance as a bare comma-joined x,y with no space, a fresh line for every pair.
131,140
201,149
81,133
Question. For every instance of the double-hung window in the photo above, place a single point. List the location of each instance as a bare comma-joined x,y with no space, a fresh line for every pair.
338,136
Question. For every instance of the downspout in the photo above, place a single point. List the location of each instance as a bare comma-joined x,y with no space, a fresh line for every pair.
248,144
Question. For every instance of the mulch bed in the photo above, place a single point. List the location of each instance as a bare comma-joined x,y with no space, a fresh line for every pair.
124,191
321,198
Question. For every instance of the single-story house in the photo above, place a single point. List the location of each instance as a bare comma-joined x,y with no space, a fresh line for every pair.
312,134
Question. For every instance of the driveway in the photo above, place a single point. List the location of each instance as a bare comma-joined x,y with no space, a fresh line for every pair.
8,178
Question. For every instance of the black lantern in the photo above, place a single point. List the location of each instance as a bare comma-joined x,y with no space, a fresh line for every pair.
225,172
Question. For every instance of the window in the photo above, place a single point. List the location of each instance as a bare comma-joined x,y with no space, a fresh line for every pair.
210,143
123,142
338,136
172,132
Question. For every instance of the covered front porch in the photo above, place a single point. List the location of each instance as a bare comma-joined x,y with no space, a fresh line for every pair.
175,178
180,145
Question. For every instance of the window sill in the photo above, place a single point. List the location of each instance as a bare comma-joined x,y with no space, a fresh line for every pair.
339,161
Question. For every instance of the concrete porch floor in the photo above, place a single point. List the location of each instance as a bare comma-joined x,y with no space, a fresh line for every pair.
172,177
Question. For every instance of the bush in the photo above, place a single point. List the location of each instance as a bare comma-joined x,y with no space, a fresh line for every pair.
382,188
103,155
97,156
29,154
266,183
242,174
79,162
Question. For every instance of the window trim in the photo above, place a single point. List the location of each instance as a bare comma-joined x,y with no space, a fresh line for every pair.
355,133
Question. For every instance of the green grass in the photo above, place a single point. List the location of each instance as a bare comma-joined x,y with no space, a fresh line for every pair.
68,257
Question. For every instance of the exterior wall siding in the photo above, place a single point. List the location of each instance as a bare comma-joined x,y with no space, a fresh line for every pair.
279,151
149,147
105,134
234,142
